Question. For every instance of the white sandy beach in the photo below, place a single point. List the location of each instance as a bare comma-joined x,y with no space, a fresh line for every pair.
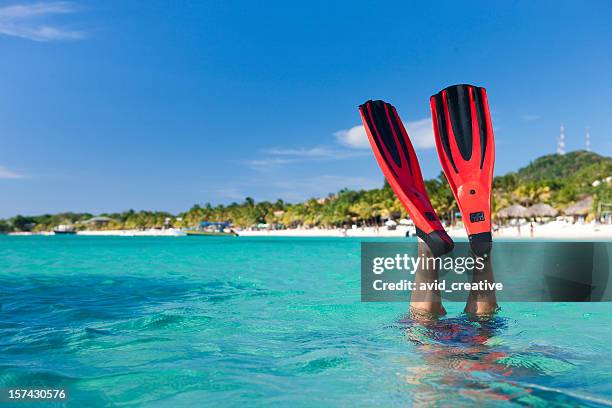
555,229
551,230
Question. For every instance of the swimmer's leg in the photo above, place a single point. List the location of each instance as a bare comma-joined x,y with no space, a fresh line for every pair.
482,302
426,303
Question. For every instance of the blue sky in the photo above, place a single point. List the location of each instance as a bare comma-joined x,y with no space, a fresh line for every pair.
158,105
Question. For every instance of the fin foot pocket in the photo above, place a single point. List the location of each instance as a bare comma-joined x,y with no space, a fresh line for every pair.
481,243
438,241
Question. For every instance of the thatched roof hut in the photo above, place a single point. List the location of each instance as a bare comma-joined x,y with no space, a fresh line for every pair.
541,210
582,207
514,211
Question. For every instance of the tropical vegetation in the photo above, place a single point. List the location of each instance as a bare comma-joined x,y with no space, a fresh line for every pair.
557,180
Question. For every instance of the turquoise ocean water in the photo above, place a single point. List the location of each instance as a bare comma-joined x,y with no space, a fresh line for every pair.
172,322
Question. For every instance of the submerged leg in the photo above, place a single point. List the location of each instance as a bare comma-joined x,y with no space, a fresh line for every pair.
482,302
426,302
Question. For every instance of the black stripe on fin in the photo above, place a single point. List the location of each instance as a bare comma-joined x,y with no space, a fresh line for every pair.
375,132
458,98
482,122
400,136
441,119
460,112
380,124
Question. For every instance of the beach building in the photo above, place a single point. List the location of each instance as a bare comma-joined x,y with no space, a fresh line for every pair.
97,222
579,211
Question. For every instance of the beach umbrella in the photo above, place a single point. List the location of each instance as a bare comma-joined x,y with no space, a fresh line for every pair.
582,207
541,210
390,223
514,211
395,214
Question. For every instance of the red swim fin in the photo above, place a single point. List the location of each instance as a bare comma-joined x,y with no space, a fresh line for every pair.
464,138
398,161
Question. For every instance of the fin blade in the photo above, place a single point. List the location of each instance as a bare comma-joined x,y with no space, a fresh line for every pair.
466,147
398,161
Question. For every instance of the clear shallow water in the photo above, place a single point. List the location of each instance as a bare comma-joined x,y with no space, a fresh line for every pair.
126,321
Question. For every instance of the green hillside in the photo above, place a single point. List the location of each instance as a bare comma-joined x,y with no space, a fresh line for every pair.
555,166
558,180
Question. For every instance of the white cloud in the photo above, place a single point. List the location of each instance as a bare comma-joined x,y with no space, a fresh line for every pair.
354,137
279,157
29,21
308,152
268,163
8,174
530,117
420,132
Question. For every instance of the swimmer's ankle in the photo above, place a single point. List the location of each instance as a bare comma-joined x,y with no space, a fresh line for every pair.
426,310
